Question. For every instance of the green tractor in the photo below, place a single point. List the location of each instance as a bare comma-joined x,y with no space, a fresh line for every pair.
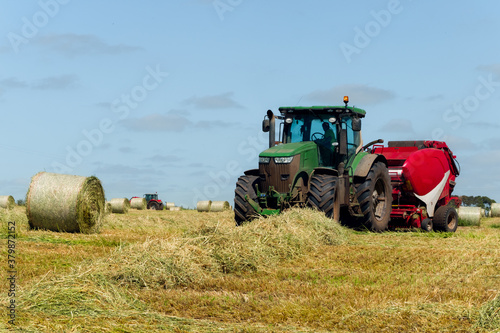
320,162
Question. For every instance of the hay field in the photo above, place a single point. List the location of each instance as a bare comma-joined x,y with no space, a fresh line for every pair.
162,271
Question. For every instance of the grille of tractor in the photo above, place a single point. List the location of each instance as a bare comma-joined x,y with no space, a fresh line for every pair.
278,175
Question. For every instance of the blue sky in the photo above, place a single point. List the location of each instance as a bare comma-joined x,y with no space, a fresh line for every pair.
168,96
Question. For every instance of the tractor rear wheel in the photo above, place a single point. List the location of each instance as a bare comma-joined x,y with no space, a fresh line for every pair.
243,211
152,205
375,198
445,219
323,195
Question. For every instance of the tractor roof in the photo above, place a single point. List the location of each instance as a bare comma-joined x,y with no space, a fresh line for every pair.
323,109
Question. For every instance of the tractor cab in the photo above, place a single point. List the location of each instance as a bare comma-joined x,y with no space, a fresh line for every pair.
336,131
150,197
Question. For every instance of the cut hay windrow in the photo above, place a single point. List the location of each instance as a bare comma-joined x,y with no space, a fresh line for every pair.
220,206
495,210
65,203
138,203
119,205
203,206
169,205
7,202
469,216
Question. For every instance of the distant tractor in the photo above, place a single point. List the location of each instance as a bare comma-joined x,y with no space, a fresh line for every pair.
321,162
153,202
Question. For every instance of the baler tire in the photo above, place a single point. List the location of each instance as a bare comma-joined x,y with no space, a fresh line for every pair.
375,217
445,219
322,195
426,225
243,211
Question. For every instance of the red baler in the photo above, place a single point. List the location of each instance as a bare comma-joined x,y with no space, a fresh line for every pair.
422,177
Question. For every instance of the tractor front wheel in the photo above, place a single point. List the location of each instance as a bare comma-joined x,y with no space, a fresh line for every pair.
375,198
323,195
243,211
445,219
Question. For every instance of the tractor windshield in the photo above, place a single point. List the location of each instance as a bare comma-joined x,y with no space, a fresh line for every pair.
309,127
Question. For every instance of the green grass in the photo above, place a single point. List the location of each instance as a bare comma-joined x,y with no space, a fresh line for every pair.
298,272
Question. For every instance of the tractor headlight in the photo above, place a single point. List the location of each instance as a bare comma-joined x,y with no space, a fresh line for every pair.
283,160
264,160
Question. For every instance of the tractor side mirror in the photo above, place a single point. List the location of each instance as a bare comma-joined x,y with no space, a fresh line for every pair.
343,142
265,125
356,124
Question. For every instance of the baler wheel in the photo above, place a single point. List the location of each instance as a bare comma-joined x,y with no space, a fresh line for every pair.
426,224
375,198
323,195
243,211
445,219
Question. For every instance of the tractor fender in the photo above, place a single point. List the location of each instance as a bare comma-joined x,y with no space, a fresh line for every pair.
321,171
366,163
252,172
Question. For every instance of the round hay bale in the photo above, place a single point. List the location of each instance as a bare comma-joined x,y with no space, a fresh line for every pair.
175,209
220,206
169,205
203,206
119,205
469,216
483,212
7,202
65,203
495,210
138,203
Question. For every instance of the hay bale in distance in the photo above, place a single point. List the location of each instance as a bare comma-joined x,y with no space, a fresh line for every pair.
7,202
175,209
138,203
469,216
483,212
119,205
220,206
169,205
495,210
203,206
65,203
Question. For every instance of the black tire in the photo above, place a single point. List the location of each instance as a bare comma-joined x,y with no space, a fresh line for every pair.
243,211
322,195
161,207
445,219
152,205
375,198
426,225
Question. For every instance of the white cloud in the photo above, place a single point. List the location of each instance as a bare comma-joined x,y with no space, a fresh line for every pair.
60,82
72,45
158,123
398,126
359,94
221,101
